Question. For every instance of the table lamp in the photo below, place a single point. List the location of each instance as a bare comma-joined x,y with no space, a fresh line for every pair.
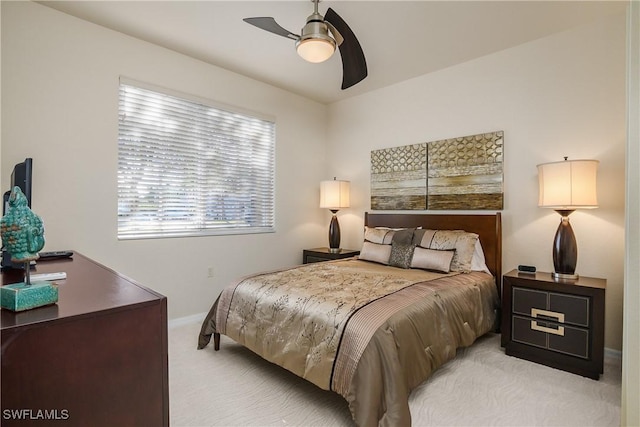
334,195
564,187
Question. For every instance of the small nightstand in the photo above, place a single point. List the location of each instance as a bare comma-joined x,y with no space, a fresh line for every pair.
323,254
555,323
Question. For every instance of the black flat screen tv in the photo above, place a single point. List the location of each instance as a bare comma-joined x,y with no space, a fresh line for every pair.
21,177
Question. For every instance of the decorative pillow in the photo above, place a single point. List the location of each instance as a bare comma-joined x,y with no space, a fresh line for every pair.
380,235
423,238
404,236
401,254
465,247
375,252
431,259
462,241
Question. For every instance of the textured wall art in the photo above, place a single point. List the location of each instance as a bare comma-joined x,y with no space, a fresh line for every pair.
463,173
398,178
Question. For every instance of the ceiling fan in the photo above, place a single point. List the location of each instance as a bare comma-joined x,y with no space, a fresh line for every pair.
320,36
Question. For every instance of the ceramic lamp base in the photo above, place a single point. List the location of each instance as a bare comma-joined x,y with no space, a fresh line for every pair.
334,233
565,249
20,297
561,276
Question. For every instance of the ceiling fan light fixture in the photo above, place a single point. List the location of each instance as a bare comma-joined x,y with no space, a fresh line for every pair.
316,49
318,41
315,44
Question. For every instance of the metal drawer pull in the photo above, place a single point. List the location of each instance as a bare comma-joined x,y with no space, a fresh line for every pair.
535,312
536,327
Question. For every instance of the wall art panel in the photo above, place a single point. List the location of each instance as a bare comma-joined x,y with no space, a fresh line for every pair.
399,178
464,173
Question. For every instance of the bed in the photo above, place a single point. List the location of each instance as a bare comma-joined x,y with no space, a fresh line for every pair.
373,327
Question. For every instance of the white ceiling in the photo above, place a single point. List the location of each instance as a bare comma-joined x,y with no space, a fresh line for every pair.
400,39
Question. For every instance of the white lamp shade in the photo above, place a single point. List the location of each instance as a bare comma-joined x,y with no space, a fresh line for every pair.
334,194
315,50
568,185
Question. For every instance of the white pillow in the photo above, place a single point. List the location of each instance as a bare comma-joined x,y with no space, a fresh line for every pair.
478,262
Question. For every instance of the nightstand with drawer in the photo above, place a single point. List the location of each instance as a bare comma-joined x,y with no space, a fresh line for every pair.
556,323
324,254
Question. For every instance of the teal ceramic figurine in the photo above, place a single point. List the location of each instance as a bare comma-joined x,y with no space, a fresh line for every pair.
22,230
23,237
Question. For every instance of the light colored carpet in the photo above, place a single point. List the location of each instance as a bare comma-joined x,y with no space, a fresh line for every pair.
480,387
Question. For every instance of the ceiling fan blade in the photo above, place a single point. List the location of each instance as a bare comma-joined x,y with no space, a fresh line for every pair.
354,65
270,24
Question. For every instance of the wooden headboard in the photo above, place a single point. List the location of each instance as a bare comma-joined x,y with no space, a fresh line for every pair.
487,226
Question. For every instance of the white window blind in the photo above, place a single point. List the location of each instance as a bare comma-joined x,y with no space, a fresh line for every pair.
186,168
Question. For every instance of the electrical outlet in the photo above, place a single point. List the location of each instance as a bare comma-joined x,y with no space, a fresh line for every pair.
210,272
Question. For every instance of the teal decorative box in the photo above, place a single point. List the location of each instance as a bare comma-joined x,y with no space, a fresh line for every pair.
20,296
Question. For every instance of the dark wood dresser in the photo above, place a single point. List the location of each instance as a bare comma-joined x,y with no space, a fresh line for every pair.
96,358
556,323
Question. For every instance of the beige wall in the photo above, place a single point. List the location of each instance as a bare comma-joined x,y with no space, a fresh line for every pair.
563,95
60,106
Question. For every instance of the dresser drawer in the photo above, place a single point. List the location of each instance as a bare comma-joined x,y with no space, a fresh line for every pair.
551,336
552,306
574,307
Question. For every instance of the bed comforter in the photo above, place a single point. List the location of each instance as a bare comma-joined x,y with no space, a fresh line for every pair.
369,332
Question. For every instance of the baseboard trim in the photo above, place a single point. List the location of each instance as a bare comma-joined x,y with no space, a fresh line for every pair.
614,354
181,321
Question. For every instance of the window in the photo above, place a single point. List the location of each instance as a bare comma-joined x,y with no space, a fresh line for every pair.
188,168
